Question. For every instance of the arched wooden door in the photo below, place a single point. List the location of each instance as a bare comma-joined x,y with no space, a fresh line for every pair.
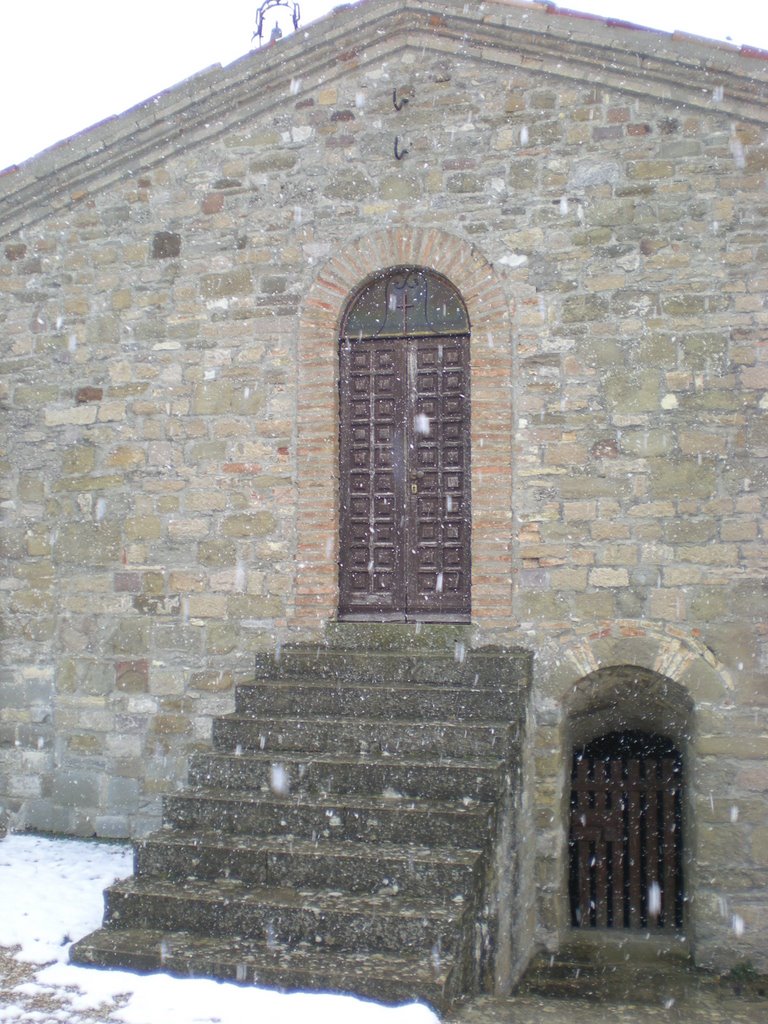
626,840
405,516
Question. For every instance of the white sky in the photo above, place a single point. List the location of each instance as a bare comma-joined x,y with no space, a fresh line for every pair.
67,64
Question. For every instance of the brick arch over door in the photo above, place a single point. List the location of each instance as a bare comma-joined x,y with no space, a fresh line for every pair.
316,584
683,677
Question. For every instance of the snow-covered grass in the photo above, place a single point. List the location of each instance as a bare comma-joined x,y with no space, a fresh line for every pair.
51,895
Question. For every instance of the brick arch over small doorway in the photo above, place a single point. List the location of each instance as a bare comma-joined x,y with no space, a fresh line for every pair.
634,675
481,289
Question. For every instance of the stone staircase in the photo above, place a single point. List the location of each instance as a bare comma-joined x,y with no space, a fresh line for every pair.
341,834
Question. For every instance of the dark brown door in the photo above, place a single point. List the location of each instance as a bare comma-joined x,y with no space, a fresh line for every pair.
626,834
404,467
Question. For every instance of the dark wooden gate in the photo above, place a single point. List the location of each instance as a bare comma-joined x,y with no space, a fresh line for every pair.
626,868
405,452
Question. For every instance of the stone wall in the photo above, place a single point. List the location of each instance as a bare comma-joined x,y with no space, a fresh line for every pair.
169,314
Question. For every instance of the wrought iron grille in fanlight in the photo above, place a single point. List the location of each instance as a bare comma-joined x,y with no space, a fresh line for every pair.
405,302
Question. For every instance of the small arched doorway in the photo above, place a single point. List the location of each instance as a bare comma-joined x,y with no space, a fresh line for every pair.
626,836
405,518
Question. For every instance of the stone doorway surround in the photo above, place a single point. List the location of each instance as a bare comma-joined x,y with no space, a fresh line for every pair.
634,673
491,359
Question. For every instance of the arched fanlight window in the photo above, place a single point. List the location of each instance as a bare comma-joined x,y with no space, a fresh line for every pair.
405,302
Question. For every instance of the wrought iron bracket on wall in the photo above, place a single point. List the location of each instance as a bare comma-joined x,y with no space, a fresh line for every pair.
398,105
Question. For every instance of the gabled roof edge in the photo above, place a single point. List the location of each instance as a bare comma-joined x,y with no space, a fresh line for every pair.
670,67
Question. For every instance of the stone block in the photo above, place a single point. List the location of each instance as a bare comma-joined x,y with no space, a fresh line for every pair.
38,542
206,606
205,500
75,789
709,604
31,487
123,794
88,544
700,442
169,725
709,554
691,530
212,397
143,528
612,212
351,184
522,171
43,815
253,606
211,682
608,578
619,554
166,245
650,169
187,582
79,415
31,395
86,745
126,457
545,605
223,637
130,637
667,604
569,579
212,203
132,676
113,826
681,478
83,484
217,553
188,529
274,161
79,459
633,392
464,182
167,681
249,524
594,606
227,285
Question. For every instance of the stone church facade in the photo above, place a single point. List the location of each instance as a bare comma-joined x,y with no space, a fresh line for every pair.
191,295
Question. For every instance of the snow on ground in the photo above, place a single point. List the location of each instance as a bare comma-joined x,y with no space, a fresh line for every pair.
51,894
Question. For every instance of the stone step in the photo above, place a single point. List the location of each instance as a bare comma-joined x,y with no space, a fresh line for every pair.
308,698
426,657
368,819
479,779
583,977
364,736
391,977
417,872
326,918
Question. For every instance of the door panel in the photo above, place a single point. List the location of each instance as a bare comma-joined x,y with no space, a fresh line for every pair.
372,408
404,468
438,556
